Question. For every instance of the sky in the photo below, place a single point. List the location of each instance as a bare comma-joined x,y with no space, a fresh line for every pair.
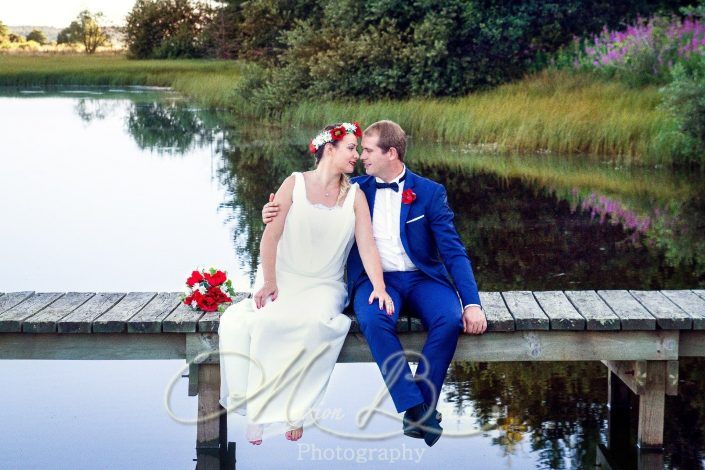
60,13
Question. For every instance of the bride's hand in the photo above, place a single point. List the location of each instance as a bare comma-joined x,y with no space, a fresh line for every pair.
385,301
268,289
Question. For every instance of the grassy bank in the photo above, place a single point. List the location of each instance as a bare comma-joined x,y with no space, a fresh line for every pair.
209,82
551,112
554,112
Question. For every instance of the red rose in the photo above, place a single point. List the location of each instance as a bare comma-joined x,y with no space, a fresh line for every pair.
311,148
218,295
215,279
195,277
408,196
207,304
358,130
338,133
197,296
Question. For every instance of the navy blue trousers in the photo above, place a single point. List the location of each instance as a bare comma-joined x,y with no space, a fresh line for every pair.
440,311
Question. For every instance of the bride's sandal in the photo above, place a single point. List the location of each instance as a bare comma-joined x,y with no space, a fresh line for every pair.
254,433
294,434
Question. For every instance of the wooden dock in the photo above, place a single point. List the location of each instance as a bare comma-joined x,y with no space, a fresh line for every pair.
639,335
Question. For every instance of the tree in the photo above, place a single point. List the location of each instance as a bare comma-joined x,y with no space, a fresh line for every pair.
37,36
4,32
167,28
70,35
85,29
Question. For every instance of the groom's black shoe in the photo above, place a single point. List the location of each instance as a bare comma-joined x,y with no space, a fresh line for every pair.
415,432
416,426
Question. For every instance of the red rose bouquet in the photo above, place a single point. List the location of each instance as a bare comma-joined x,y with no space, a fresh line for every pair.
208,290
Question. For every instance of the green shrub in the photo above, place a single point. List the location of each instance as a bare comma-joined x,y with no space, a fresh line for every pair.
396,49
684,98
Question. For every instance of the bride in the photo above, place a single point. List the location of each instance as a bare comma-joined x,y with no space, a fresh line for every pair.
278,349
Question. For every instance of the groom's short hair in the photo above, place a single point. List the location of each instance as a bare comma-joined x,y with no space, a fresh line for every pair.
390,134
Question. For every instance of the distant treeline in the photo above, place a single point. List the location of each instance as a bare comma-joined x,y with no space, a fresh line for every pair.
375,48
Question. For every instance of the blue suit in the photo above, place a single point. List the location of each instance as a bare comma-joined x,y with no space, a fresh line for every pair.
435,293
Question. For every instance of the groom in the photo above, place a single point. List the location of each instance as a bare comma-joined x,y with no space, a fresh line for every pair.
427,272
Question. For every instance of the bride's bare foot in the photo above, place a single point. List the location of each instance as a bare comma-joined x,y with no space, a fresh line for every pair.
294,434
254,434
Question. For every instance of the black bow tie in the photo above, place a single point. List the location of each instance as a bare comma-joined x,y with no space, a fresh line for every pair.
393,186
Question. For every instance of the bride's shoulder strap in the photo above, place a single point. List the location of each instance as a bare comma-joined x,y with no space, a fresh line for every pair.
299,186
350,197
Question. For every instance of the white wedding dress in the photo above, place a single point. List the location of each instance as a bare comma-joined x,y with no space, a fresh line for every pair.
276,362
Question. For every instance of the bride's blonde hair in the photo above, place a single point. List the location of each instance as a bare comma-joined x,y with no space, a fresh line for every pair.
344,180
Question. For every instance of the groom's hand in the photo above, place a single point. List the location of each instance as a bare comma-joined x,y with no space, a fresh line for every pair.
474,320
270,210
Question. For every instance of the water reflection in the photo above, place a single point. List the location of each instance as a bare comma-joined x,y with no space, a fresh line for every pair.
529,223
170,127
522,233
560,407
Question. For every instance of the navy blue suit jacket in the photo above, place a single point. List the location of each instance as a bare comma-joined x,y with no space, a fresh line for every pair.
428,236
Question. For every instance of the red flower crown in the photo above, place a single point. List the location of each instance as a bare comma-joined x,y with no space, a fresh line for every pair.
337,133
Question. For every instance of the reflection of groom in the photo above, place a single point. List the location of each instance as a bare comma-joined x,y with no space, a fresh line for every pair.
426,269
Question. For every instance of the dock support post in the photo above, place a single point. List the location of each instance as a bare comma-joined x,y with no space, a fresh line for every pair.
211,432
651,407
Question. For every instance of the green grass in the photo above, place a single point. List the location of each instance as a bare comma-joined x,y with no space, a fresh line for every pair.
208,82
552,111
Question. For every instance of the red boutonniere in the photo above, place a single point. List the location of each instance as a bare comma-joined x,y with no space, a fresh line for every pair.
408,196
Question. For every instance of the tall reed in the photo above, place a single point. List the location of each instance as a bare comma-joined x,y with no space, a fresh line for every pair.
552,111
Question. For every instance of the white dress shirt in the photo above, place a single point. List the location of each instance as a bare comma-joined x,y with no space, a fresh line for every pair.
385,228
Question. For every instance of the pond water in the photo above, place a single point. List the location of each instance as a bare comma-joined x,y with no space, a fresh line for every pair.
132,188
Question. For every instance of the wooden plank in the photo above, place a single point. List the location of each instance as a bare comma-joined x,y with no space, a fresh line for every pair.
526,311
561,313
496,312
632,373
149,319
192,380
113,346
632,315
354,325
699,292
672,378
81,319
11,299
596,312
540,346
210,320
651,407
691,303
45,321
668,315
184,319
115,319
11,319
202,348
